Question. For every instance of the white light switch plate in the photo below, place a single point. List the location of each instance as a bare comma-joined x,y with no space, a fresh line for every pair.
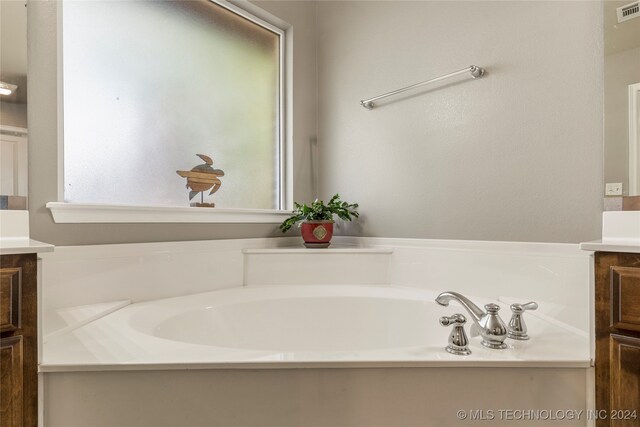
613,189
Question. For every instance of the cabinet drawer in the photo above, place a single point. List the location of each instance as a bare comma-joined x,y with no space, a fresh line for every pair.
11,382
624,390
625,298
10,294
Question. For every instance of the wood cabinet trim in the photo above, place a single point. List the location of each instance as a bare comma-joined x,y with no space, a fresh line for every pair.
10,298
625,306
624,391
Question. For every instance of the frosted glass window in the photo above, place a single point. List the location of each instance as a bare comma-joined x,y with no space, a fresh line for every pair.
150,84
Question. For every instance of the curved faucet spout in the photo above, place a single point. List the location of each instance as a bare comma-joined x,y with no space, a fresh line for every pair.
475,311
492,328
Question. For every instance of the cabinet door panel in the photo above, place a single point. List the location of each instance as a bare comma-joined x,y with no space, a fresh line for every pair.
10,286
625,379
625,298
18,341
11,386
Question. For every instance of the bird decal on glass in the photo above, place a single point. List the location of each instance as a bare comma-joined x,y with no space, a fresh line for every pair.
202,178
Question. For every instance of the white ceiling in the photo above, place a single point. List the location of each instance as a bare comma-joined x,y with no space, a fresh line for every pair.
619,37
13,47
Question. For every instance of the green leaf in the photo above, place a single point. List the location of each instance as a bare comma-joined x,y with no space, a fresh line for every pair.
318,211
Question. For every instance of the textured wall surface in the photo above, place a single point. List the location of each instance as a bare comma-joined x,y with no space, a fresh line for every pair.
516,155
44,128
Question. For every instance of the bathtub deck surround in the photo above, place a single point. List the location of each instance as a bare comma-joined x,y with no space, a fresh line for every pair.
89,287
285,326
338,265
551,274
159,311
78,277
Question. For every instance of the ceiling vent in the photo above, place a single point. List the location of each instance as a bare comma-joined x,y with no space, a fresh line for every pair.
629,11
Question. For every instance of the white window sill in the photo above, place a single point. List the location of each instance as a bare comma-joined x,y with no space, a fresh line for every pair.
75,213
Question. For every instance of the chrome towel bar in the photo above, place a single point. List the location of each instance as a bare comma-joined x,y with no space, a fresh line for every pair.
476,72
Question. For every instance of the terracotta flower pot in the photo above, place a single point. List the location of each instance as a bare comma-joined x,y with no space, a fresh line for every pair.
317,234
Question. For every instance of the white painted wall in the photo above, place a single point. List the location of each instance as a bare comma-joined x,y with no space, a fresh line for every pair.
516,155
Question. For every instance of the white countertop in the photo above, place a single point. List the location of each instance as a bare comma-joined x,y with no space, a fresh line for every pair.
620,233
14,235
12,246
612,245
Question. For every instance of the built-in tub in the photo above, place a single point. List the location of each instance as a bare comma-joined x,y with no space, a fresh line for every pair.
309,355
285,350
318,325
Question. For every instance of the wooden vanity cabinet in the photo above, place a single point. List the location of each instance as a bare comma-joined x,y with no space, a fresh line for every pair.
18,341
617,327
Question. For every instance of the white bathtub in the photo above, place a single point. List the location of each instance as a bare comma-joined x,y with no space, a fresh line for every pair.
358,352
271,326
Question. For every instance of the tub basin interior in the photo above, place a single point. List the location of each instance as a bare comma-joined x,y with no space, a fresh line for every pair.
274,325
305,324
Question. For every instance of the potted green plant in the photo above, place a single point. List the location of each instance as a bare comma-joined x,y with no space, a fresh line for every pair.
317,220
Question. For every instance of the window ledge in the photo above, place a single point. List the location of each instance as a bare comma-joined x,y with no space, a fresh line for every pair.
74,213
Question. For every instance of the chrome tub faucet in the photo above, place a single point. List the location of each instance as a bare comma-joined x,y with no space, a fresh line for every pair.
517,327
492,329
458,341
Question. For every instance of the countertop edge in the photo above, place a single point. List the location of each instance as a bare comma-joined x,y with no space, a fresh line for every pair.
581,364
629,246
16,246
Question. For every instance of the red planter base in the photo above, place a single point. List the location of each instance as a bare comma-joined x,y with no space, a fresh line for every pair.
317,234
